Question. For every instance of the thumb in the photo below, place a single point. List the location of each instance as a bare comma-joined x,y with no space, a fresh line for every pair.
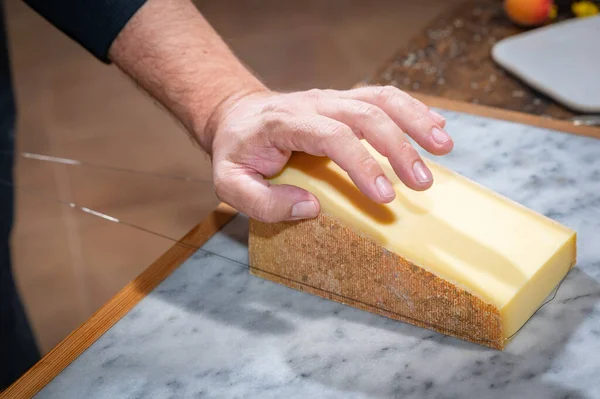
252,195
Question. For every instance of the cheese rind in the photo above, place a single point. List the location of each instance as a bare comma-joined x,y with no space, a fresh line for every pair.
483,243
324,257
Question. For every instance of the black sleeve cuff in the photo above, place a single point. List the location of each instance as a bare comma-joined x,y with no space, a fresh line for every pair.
94,24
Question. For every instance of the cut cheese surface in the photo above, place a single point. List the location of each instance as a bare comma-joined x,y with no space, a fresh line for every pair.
498,250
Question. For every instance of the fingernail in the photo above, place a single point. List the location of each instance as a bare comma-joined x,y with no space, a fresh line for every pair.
304,210
437,117
384,187
422,173
439,136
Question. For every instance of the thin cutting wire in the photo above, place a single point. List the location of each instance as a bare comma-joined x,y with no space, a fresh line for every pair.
75,162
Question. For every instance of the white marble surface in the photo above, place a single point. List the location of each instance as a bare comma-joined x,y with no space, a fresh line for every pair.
213,331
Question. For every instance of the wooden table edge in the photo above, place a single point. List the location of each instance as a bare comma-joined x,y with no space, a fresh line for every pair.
118,306
564,126
56,360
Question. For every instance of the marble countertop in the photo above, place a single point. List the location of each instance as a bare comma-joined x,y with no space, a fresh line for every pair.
211,330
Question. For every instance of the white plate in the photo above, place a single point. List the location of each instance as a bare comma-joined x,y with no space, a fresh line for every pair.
561,60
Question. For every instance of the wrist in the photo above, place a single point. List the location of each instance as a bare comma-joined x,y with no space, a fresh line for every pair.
204,129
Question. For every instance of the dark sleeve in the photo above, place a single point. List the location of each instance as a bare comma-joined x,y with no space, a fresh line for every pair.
94,24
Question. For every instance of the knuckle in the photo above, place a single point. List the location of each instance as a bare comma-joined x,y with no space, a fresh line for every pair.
421,117
368,111
367,165
387,93
314,94
259,210
408,101
270,122
339,132
278,107
419,107
405,149
415,105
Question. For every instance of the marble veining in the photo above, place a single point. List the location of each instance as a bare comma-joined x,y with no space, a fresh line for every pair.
211,330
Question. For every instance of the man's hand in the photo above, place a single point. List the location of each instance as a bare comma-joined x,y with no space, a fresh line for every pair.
254,136
171,51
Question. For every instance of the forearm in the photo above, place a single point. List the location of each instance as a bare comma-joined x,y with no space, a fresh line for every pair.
174,54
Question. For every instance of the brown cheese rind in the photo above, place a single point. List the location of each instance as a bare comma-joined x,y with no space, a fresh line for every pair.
326,258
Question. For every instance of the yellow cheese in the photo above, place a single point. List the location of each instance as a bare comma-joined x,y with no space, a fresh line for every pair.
501,252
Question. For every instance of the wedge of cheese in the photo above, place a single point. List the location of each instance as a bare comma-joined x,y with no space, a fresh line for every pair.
458,258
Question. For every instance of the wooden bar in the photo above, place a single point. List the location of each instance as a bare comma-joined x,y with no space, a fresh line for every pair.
507,115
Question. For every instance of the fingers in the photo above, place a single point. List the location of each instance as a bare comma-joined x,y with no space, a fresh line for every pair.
248,192
370,122
321,136
325,123
412,116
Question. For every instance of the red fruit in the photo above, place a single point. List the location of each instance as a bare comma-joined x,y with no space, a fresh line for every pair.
528,12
